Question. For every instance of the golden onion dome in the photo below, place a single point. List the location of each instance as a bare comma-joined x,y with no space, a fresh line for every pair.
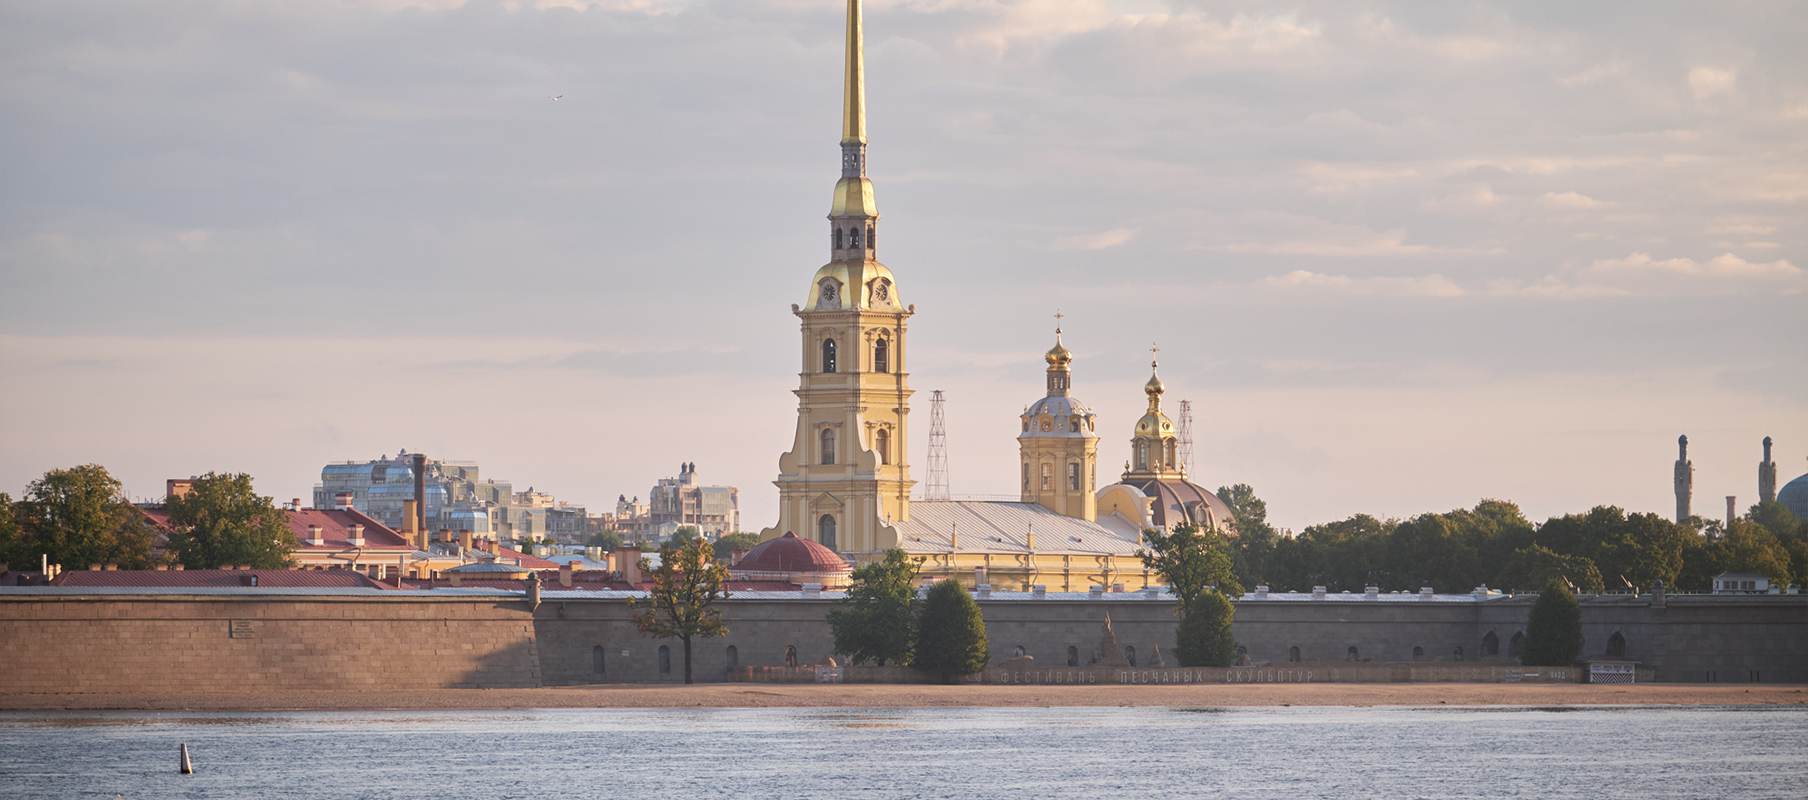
1058,356
1154,387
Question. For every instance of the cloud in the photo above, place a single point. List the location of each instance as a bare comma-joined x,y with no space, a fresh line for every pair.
1553,287
1096,241
1723,266
1433,285
1570,200
1707,82
1386,243
1326,178
1594,73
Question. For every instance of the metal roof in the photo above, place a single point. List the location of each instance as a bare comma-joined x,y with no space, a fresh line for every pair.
1004,527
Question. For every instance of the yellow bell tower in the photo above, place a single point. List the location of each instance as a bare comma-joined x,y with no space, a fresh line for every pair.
1059,445
847,476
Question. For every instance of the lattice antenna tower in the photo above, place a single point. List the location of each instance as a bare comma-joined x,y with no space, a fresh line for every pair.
1186,436
937,488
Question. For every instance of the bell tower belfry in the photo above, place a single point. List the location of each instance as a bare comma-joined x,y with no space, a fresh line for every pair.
848,474
1059,445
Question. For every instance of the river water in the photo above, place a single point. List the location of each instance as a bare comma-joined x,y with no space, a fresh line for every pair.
1631,753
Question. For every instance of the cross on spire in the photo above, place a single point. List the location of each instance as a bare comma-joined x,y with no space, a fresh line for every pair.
1058,316
1154,351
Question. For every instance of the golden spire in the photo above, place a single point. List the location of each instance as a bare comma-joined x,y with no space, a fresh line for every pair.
853,101
854,193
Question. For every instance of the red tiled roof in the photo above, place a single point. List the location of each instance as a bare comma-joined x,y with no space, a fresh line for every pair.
335,529
592,581
195,578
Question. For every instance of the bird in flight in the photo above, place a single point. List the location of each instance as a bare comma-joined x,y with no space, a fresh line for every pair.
554,98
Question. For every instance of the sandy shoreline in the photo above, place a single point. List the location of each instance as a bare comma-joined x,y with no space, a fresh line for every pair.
746,695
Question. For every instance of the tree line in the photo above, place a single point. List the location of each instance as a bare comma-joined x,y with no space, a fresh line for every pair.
80,516
1493,544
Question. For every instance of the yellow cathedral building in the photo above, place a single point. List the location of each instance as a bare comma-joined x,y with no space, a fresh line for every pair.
846,481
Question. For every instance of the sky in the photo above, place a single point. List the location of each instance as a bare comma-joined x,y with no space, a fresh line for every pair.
1400,257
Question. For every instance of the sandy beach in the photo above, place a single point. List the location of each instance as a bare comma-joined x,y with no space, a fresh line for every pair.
745,695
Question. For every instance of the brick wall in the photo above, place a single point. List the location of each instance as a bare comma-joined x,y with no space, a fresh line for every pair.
229,644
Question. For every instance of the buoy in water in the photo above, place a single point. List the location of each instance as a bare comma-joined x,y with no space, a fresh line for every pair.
188,767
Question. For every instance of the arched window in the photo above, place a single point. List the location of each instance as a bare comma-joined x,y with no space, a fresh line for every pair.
1293,654
1073,476
1142,455
825,531
882,355
1026,424
1026,476
837,238
1073,656
1616,645
1170,459
1418,653
872,237
665,660
1354,656
1490,645
1048,475
1073,424
1130,655
828,446
854,238
790,655
596,660
732,657
1516,645
828,355
882,445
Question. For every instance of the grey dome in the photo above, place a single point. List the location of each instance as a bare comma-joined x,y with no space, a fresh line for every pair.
1059,410
1794,495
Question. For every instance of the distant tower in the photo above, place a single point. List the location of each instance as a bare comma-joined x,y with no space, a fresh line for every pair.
1685,479
1767,476
1732,511
1059,444
938,451
1186,436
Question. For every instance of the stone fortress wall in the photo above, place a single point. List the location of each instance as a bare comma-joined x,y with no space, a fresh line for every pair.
248,642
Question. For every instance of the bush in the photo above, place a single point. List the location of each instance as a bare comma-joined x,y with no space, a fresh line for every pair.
951,633
1203,639
1554,633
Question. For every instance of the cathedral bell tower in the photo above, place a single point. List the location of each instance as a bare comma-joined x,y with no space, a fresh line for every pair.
1060,445
847,476
1154,446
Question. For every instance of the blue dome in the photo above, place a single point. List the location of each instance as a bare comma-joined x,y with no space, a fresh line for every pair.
1795,496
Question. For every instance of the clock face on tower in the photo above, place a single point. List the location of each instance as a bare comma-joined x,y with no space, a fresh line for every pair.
828,293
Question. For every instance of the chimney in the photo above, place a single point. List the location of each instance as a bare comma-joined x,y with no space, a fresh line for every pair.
1372,592
357,536
314,536
565,571
177,568
93,567
1095,592
1685,479
979,577
464,538
457,578
627,562
1425,593
1767,476
112,567
734,557
1732,513
162,567
410,523
1261,591
244,566
295,504
1117,588
445,535
342,501
420,491
1039,591
1318,592
812,590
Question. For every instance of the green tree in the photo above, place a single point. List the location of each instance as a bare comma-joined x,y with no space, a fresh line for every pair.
1536,566
726,545
1203,638
877,619
681,604
1256,540
951,633
79,516
1191,560
222,521
683,535
12,546
1554,633
607,540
